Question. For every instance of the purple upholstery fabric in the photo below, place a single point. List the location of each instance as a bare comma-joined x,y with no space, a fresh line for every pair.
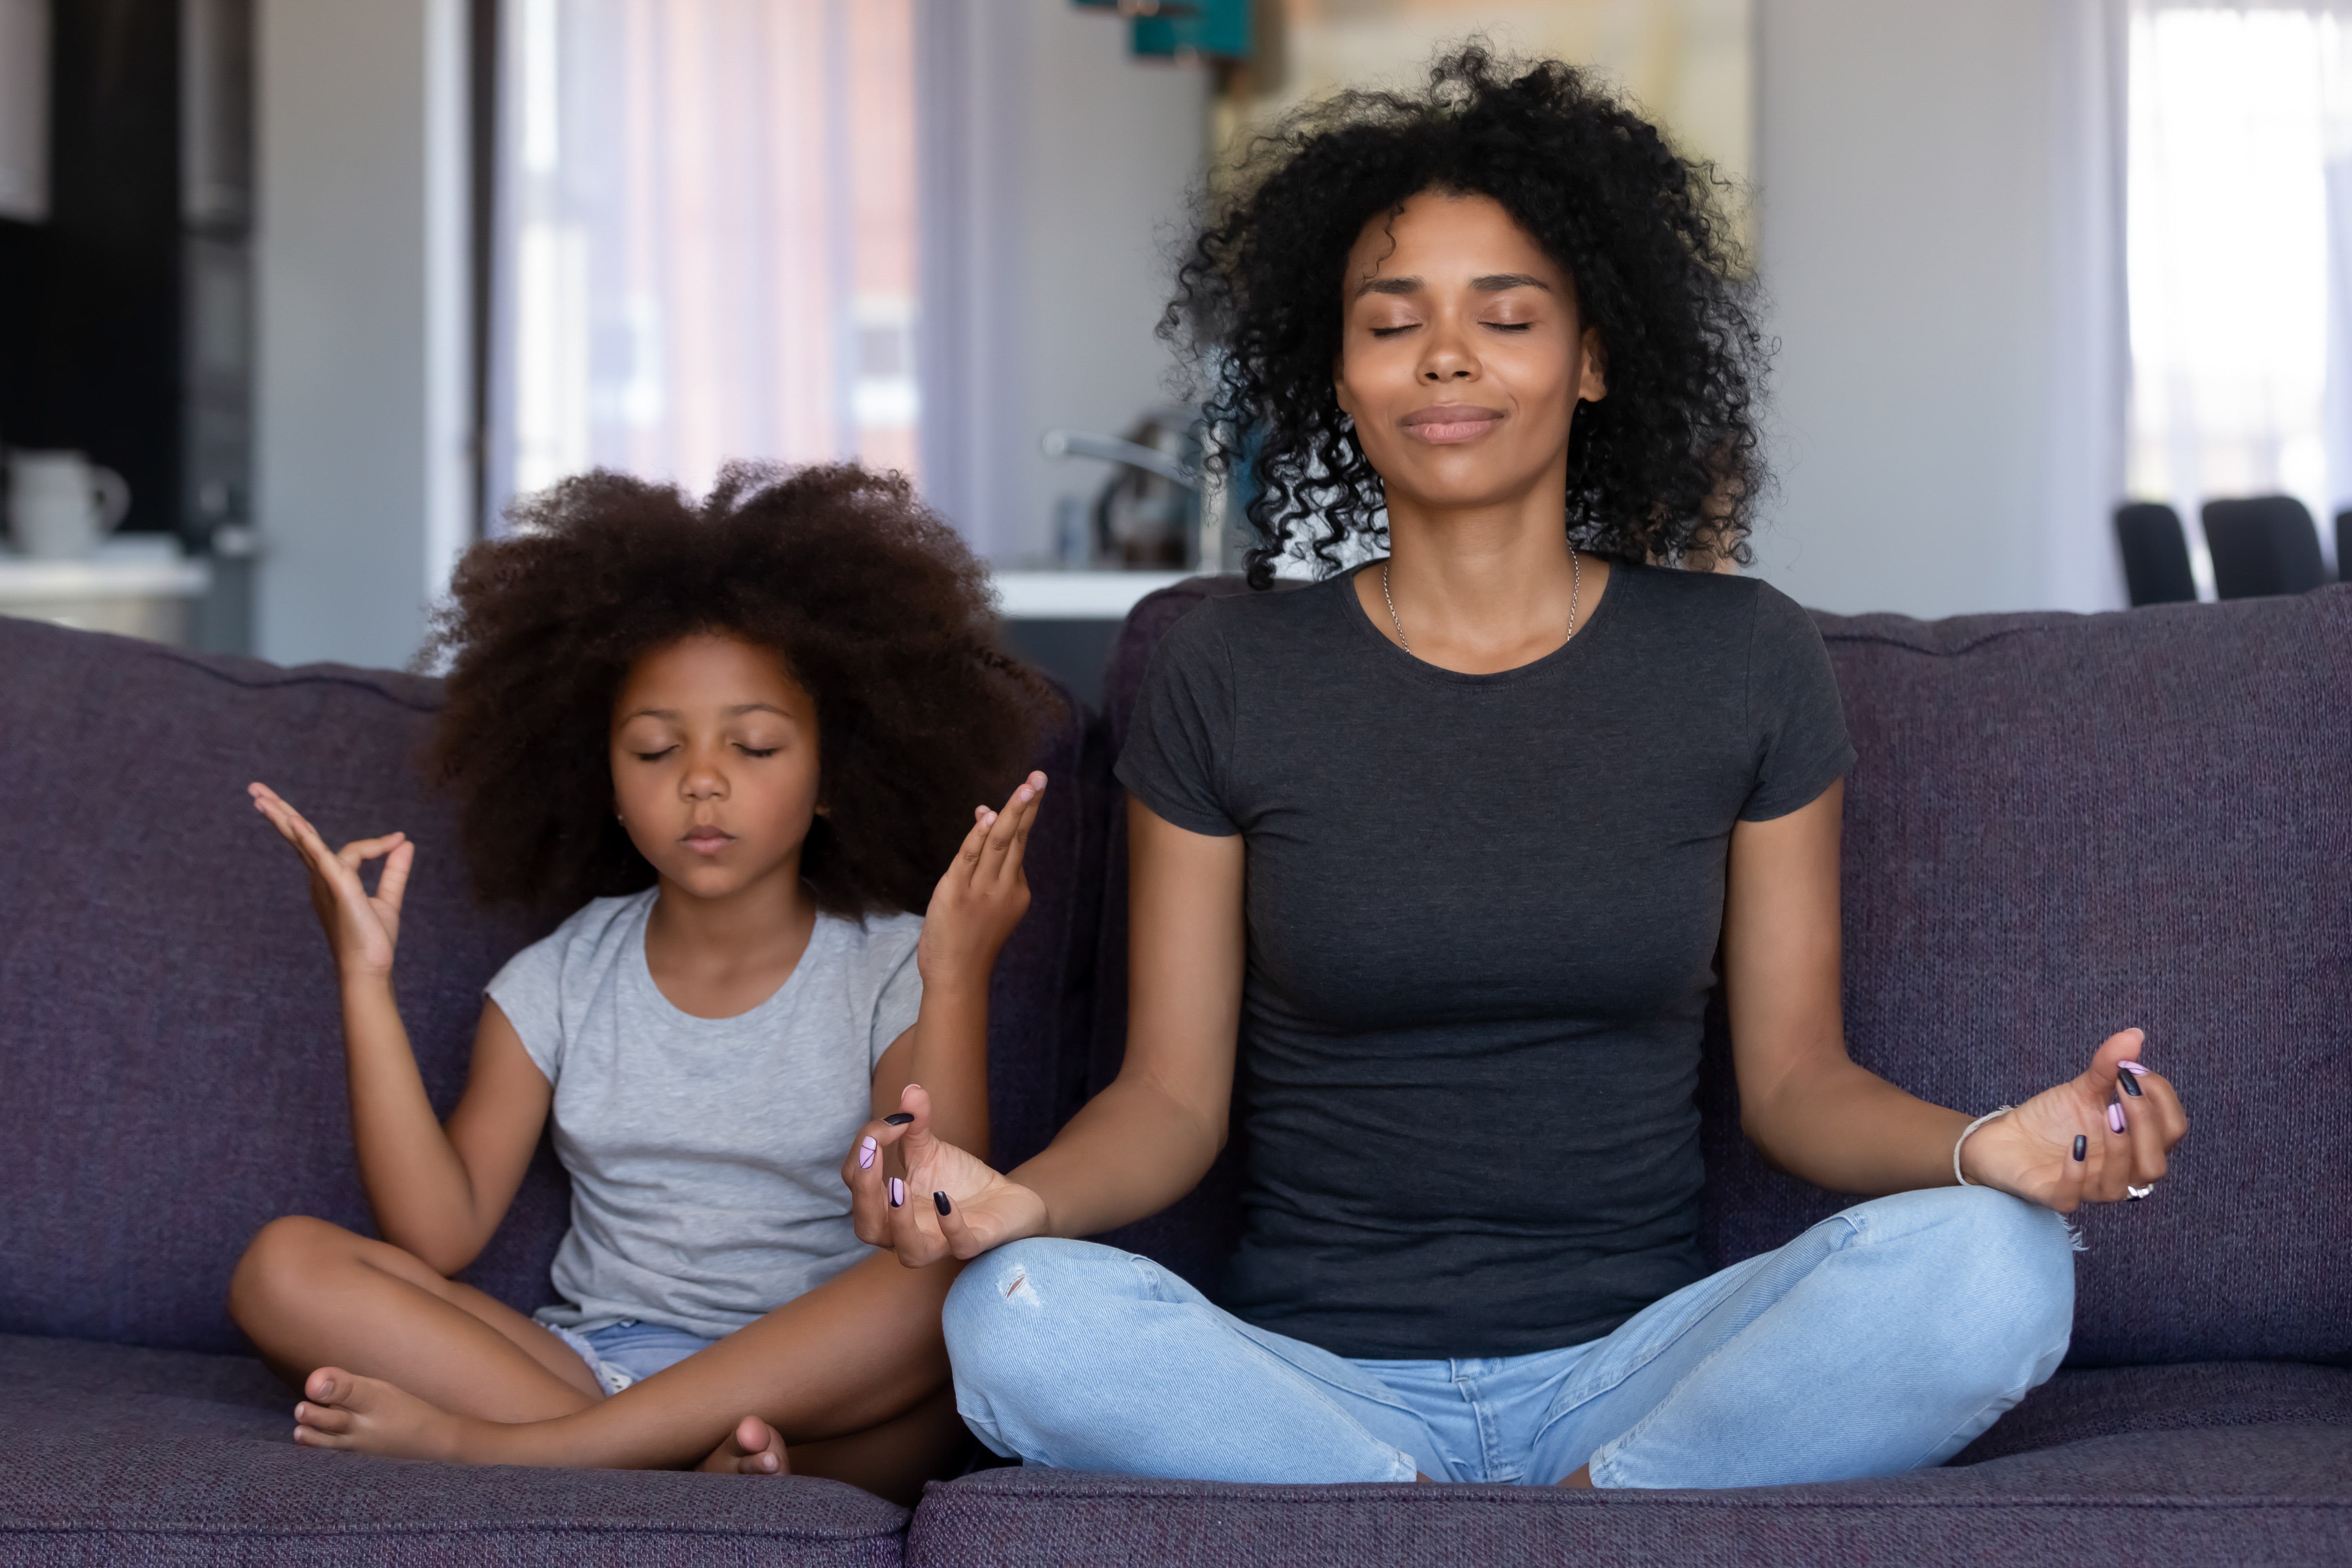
169,1034
2272,1495
2110,1402
120,1456
2060,825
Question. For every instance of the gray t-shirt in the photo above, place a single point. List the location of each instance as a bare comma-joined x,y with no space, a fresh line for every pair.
1482,922
705,1152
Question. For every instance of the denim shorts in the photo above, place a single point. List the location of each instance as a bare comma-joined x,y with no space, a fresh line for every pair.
628,1351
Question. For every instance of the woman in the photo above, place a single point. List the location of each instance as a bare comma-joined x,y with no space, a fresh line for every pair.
1440,854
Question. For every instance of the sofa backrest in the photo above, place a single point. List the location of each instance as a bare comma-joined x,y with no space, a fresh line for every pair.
2059,826
171,1055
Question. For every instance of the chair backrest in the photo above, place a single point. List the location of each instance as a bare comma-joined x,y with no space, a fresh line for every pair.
2344,546
2059,825
170,1043
2263,547
2156,553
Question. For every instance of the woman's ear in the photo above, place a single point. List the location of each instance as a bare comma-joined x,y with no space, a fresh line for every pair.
1594,386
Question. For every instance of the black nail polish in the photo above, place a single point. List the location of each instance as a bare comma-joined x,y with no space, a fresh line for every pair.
2082,1147
939,1201
2130,1084
898,1119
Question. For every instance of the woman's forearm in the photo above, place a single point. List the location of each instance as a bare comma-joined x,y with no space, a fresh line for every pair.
1843,1127
420,1190
1130,1153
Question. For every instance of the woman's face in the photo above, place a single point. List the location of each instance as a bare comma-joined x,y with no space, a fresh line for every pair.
1461,358
714,753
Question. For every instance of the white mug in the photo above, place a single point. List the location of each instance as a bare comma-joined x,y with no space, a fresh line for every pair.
61,506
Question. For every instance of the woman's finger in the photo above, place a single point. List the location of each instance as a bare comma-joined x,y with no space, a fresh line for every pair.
913,1237
957,1235
866,1173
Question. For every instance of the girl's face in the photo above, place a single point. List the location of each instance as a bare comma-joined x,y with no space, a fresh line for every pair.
714,753
1462,356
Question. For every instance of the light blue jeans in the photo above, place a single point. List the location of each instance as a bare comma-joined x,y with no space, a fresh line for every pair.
1881,1340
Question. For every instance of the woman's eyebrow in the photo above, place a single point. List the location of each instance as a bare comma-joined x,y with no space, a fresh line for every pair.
1387,286
1496,282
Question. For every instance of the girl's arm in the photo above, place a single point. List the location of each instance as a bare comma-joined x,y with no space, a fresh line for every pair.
980,898
1814,1113
437,1194
1148,1139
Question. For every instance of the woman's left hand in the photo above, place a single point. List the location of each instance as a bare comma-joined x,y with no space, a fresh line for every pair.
2124,1138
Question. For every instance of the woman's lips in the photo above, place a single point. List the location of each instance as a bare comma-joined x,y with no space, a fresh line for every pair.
1451,422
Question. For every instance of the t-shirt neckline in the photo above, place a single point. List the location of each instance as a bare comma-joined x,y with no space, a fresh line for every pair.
641,969
1603,617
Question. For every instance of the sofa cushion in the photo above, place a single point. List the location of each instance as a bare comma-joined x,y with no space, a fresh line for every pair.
170,1040
2274,1495
2059,825
119,1455
2106,1402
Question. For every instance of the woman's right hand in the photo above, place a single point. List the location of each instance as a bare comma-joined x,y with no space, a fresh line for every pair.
362,928
951,1205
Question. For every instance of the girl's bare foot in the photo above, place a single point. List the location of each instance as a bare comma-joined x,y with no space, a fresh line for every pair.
343,1410
753,1448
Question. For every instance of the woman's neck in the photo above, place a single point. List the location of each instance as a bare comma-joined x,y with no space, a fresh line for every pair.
1481,589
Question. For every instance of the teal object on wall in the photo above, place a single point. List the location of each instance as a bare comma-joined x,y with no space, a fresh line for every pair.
1184,29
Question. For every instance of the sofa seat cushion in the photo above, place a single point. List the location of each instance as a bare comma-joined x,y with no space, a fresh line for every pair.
2276,1494
117,1455
2110,1402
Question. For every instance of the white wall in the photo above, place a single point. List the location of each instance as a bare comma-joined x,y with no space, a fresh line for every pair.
360,401
1931,408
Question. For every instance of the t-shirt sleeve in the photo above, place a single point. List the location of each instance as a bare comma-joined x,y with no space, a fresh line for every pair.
901,995
526,992
1796,721
1183,726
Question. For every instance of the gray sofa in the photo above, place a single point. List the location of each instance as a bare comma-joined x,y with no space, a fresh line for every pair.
2058,826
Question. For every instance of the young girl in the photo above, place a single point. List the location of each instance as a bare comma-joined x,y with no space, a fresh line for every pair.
745,735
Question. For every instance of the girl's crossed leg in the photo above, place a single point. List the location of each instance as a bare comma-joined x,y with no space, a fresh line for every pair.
1882,1339
410,1364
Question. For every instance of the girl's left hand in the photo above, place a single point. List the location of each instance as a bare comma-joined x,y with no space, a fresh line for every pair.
983,895
2125,1138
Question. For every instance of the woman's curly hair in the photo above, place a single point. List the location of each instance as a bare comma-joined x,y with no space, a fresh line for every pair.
873,602
1666,468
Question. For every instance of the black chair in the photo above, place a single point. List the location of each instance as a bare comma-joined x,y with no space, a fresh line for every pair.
2344,546
2260,546
2156,553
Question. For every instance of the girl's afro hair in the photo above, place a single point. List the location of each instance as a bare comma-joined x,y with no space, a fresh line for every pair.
873,604
1665,467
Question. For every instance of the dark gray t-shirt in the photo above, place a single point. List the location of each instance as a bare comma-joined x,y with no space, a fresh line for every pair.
1483,913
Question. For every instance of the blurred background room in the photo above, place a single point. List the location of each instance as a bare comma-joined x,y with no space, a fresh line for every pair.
296,294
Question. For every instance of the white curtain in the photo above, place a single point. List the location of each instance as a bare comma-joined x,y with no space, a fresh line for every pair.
707,239
2240,253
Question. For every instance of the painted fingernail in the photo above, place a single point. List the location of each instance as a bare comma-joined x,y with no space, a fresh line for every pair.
939,1201
898,1189
2082,1147
2116,1115
898,1119
866,1150
2134,1068
2130,1085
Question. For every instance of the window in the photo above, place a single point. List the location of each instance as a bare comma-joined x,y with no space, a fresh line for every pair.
707,237
2239,249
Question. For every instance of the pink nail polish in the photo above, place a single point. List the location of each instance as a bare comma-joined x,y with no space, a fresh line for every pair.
898,1193
866,1150
2134,1068
2115,1116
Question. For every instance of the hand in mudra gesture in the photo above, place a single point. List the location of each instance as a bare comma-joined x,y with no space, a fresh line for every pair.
950,1203
362,928
2031,1152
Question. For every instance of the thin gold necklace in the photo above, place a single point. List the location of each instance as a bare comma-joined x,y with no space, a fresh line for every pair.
1575,592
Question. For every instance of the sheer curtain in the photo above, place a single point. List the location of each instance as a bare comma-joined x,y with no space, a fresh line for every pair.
705,246
2239,238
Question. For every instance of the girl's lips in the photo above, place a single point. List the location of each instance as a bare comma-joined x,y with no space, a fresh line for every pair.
708,840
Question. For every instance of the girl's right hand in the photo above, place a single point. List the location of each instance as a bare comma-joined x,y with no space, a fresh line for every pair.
950,1203
361,928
